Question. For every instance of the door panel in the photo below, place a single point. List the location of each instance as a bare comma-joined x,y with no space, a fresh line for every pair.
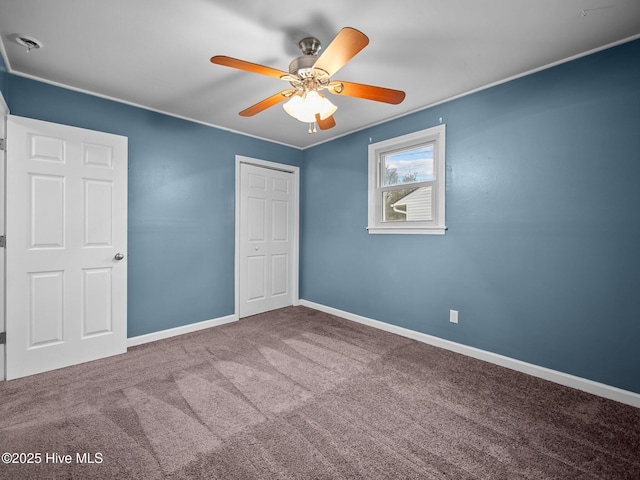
255,278
280,274
256,217
280,221
66,220
98,216
96,301
47,149
46,306
46,211
266,239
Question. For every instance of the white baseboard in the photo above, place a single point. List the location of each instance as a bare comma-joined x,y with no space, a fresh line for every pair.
172,332
586,385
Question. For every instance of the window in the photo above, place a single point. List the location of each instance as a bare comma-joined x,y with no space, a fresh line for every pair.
406,183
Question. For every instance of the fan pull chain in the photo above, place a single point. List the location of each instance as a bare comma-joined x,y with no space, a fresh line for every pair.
312,128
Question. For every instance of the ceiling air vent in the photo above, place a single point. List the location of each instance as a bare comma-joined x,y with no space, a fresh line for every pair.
29,42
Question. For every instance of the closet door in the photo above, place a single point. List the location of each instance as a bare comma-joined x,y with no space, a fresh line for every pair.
266,239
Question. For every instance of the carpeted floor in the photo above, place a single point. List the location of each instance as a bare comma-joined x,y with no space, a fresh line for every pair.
299,394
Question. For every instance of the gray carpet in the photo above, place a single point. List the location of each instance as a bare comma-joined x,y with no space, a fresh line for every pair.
299,394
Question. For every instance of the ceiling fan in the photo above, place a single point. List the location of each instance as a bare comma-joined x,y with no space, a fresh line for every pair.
310,74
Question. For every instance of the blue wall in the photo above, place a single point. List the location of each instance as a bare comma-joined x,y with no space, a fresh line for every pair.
181,201
4,79
543,198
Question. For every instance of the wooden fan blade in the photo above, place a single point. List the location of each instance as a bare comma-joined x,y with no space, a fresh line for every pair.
368,92
248,66
325,124
342,48
266,103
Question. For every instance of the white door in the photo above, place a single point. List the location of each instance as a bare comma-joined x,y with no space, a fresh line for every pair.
66,229
266,239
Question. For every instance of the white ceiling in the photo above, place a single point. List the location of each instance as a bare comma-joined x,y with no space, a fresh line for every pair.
155,53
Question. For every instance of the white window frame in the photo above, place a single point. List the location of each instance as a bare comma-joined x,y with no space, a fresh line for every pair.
435,135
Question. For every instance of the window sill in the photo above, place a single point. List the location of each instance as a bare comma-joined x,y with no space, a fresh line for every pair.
408,230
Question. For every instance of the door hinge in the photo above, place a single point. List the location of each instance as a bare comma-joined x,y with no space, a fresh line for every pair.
3,143
3,241
3,338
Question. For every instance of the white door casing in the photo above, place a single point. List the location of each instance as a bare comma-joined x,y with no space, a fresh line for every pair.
4,111
66,222
266,236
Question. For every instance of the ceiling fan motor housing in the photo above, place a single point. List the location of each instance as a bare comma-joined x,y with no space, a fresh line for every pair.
303,66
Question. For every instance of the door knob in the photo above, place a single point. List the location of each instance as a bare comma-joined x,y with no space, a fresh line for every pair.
119,256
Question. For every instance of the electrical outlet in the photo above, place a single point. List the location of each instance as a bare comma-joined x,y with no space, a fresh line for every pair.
453,316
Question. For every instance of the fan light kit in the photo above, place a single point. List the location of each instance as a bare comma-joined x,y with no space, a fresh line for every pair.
310,74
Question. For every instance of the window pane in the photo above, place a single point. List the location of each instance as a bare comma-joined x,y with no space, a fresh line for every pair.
407,166
408,205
